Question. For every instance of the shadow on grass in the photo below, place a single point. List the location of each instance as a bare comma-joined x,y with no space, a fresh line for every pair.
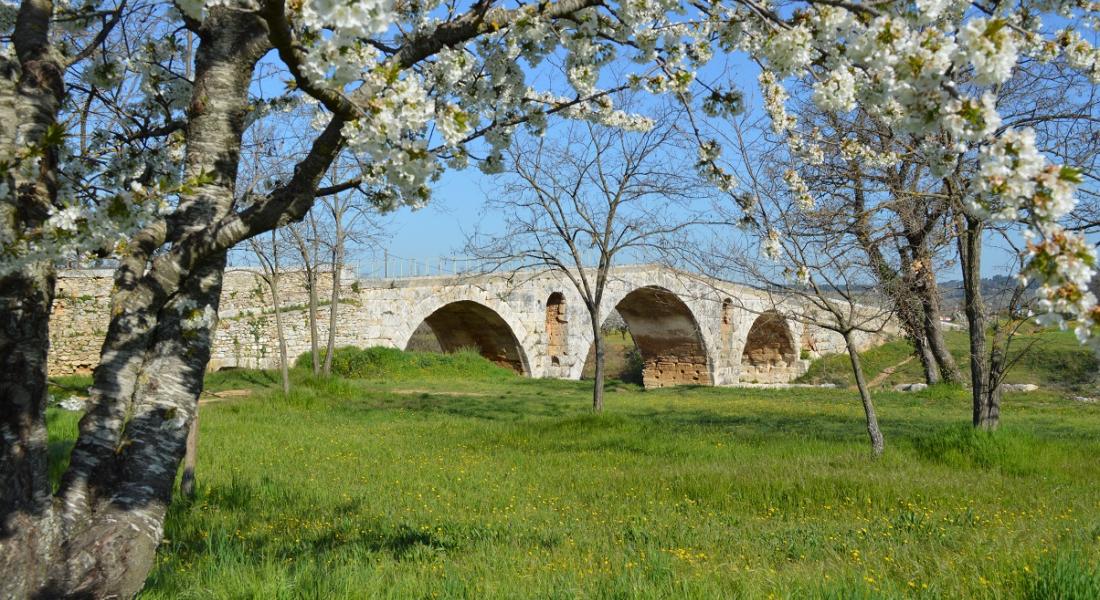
232,378
263,520
499,407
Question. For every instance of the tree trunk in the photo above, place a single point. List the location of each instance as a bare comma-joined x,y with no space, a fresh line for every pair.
309,262
986,403
897,287
119,484
334,307
873,431
928,292
27,532
924,354
98,537
284,370
314,348
597,380
991,402
190,459
31,90
944,360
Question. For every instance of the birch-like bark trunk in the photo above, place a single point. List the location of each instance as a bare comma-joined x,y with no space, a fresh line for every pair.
31,91
98,536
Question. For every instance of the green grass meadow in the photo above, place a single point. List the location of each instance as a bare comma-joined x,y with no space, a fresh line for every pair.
456,479
1042,357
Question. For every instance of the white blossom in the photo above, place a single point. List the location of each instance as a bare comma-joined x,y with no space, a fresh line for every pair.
837,91
66,219
990,46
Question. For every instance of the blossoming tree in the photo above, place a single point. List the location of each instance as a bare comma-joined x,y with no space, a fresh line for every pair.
886,195
407,88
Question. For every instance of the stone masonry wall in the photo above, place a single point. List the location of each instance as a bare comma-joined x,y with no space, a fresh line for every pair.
708,350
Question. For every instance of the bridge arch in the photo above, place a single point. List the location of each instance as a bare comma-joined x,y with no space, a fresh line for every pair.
668,337
459,322
770,353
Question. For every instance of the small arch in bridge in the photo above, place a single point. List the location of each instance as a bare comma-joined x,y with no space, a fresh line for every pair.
468,324
727,326
557,325
769,355
667,336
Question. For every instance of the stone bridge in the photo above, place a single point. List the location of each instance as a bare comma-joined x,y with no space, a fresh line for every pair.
688,329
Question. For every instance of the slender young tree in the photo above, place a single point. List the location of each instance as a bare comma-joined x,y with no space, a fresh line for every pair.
811,271
271,272
577,205
338,210
307,241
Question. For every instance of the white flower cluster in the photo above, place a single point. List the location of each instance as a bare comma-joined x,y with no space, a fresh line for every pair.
66,219
853,149
354,18
391,140
775,102
1008,176
991,47
933,74
789,50
771,247
807,149
1065,263
837,92
1080,54
1015,177
798,190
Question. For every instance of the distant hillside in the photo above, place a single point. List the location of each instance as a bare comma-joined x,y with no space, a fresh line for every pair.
996,290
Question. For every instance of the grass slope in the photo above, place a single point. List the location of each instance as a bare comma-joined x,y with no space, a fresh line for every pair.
1042,357
502,487
621,360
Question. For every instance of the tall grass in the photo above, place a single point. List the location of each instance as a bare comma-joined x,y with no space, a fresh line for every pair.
1064,576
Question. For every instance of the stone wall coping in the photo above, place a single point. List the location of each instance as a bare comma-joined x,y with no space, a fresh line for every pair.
85,273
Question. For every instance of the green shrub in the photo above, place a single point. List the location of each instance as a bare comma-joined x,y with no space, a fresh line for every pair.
389,363
635,364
